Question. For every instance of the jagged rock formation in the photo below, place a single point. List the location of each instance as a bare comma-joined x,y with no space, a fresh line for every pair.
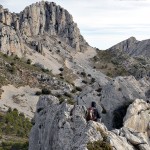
138,118
115,97
134,47
36,20
136,125
62,126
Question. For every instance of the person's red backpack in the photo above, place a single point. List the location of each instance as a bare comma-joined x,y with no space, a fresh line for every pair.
91,114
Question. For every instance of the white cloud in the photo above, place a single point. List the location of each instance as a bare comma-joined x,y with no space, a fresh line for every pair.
102,22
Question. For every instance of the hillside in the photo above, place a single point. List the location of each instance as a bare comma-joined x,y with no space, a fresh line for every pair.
49,75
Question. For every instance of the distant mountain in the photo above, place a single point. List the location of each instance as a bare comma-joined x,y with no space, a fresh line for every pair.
129,57
134,47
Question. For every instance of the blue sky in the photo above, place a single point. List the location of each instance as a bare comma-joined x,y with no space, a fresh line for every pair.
103,23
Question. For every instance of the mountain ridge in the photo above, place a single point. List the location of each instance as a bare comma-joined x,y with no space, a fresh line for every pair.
133,47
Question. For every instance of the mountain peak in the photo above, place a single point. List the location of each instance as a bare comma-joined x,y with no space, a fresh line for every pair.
44,18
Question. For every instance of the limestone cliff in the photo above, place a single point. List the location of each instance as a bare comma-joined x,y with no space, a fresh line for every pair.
35,21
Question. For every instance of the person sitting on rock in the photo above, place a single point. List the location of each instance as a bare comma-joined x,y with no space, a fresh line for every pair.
92,113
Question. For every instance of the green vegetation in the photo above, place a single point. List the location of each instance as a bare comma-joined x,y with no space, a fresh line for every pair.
38,93
3,80
100,145
13,123
78,89
44,91
83,74
66,97
29,61
14,70
110,63
7,145
14,130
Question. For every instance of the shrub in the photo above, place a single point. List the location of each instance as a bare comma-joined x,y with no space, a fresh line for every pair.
12,63
61,74
93,80
38,93
99,94
61,100
45,70
79,89
99,145
5,55
109,74
83,74
11,69
58,95
16,58
74,91
7,145
58,51
89,75
119,89
62,78
46,91
99,90
67,94
83,81
29,61
70,101
39,109
61,69
13,123
95,58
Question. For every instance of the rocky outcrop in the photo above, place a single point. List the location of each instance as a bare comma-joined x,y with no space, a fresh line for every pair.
138,118
10,41
119,94
134,47
114,97
35,21
63,127
48,17
136,126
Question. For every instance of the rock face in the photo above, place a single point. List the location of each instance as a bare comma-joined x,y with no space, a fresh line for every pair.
48,17
134,47
63,127
138,117
119,94
34,21
115,97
